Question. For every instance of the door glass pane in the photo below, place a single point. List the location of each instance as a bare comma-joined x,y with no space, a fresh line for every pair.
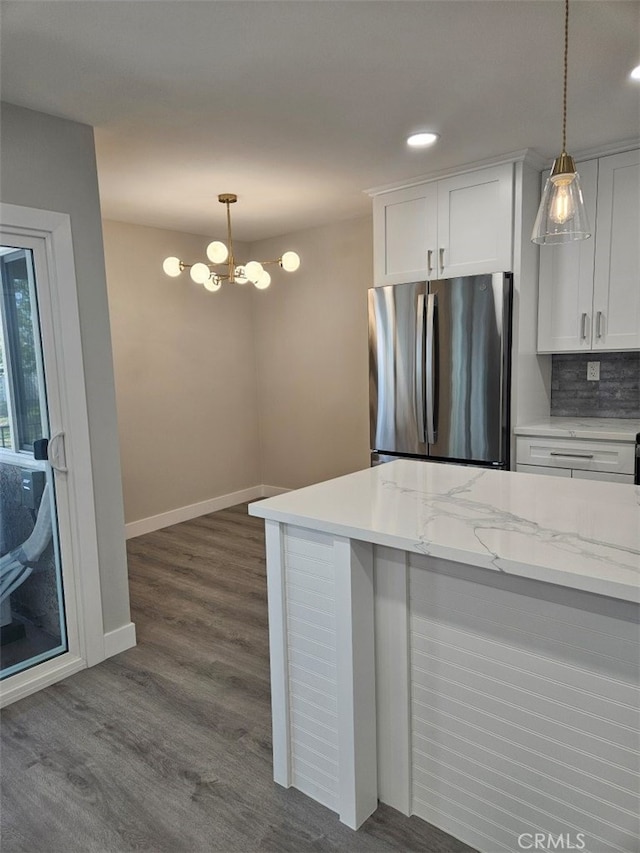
5,429
19,299
32,619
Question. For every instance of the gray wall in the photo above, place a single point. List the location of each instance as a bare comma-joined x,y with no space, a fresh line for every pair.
49,163
185,374
312,356
616,395
218,392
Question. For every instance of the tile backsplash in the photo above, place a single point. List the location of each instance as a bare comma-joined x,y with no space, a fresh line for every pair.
615,395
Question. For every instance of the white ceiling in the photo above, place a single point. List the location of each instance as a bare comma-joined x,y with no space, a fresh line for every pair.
298,106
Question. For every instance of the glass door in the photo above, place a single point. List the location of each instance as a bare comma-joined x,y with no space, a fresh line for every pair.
33,625
50,582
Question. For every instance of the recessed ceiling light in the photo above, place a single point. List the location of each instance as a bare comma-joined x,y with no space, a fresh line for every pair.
421,140
635,74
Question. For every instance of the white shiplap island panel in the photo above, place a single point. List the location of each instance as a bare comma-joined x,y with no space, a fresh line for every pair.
462,645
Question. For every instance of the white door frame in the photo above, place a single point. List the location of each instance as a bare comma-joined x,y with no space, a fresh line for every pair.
48,234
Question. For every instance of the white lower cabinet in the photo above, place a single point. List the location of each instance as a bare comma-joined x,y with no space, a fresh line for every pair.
541,469
601,475
608,461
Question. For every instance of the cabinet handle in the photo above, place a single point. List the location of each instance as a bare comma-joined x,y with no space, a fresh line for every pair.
429,263
599,324
572,455
583,326
441,260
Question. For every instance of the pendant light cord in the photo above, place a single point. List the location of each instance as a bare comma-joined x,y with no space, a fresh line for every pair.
566,66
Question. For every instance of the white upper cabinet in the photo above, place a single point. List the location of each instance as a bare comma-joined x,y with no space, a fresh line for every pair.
461,225
475,222
616,282
589,297
565,301
404,234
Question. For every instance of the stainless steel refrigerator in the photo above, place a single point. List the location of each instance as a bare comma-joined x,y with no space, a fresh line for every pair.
439,370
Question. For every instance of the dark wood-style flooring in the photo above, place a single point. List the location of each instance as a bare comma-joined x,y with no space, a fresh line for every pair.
167,747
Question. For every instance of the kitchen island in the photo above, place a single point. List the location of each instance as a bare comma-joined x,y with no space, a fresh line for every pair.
461,644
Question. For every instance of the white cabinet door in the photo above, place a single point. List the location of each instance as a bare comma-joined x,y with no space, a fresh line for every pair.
616,299
540,469
604,476
565,299
404,235
475,222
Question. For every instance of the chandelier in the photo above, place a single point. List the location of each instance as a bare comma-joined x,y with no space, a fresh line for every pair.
221,255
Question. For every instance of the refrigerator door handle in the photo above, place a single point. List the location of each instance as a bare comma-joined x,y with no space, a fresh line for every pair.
420,395
430,364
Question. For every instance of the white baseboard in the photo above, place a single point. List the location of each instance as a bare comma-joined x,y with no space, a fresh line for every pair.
186,513
119,640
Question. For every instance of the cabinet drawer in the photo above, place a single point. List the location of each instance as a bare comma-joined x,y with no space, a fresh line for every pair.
607,457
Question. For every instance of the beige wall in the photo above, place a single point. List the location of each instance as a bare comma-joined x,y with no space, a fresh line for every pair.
185,375
49,163
312,356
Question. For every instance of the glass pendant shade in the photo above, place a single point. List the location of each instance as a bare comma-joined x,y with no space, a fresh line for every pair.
213,283
562,217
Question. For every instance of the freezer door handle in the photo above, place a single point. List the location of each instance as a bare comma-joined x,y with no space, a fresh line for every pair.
420,395
430,368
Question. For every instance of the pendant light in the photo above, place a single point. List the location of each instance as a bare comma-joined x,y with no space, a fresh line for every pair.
562,217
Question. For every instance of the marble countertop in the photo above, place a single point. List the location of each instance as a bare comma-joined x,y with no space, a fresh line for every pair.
575,533
603,429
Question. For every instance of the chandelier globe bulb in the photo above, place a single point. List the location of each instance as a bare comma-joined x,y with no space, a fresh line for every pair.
264,281
253,271
290,261
172,266
240,275
199,273
217,252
